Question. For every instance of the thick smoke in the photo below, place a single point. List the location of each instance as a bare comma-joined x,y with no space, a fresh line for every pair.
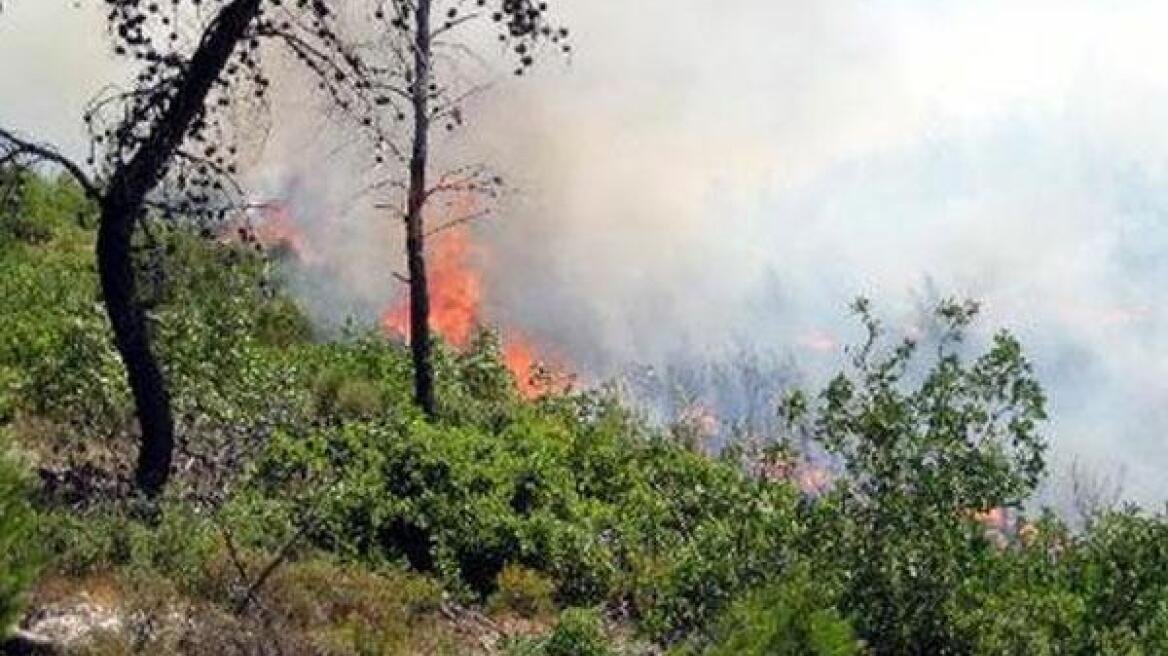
730,175
711,179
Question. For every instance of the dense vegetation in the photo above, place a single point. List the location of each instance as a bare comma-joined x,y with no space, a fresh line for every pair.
316,510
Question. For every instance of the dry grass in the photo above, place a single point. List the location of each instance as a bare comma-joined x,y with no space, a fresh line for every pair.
309,607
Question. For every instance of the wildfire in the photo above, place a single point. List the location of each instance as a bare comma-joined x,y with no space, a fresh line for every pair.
275,228
809,477
994,518
997,523
456,292
818,341
522,361
813,479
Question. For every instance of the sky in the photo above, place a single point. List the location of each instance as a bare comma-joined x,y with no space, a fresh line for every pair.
704,177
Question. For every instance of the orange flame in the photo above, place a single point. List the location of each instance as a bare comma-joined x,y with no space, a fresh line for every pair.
994,518
275,228
813,479
521,360
809,477
456,292
997,524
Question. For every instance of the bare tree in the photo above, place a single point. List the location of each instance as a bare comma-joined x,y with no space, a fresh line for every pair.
161,112
165,144
428,33
1094,493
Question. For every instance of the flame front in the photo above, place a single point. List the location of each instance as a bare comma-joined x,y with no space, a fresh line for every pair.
456,292
276,228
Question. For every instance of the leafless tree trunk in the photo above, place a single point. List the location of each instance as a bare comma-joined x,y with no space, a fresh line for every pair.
420,341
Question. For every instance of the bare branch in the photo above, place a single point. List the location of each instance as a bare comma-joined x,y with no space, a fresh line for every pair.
453,24
279,559
462,220
15,148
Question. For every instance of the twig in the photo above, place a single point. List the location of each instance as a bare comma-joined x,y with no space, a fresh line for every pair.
459,221
269,569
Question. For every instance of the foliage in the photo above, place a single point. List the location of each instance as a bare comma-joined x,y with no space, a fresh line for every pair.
178,547
607,515
922,451
578,632
314,449
18,558
522,591
794,617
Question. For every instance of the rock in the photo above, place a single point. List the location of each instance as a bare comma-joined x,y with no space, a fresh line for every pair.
25,643
63,626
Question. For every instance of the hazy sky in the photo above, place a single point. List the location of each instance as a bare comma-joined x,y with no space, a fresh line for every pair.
711,174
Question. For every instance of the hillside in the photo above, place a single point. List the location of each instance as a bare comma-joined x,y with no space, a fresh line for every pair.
315,510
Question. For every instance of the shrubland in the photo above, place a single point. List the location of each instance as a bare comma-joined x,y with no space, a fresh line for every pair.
314,510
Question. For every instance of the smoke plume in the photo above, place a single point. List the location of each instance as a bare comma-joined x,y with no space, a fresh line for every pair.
711,182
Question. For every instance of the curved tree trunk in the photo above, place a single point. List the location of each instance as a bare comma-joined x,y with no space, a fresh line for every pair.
151,398
420,340
122,207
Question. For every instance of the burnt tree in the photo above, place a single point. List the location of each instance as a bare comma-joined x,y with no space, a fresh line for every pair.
122,199
433,100
420,340
164,146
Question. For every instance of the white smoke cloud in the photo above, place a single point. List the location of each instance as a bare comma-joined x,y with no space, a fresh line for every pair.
705,177
733,172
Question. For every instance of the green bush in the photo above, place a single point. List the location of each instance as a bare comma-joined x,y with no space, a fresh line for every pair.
578,632
18,557
281,323
604,512
1019,620
1120,567
178,547
794,617
524,592
572,497
923,447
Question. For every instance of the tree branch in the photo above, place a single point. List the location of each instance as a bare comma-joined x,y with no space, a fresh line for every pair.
18,147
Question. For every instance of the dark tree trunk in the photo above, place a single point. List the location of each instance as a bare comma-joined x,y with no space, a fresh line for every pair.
420,341
122,207
131,336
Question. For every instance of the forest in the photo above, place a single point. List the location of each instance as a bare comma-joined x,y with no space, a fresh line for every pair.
192,462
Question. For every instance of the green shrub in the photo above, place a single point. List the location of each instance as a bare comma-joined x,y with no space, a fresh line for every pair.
792,618
18,227
522,591
1019,620
281,323
352,609
578,632
342,395
18,556
922,446
587,502
358,399
40,208
82,383
179,547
